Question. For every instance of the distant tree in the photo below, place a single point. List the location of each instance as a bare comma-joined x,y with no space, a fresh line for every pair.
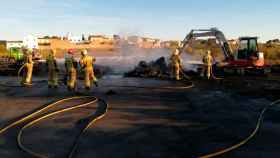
55,37
46,37
276,41
269,41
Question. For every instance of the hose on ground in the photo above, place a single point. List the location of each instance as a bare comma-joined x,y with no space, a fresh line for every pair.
246,140
213,75
33,122
75,146
18,75
191,85
21,68
184,74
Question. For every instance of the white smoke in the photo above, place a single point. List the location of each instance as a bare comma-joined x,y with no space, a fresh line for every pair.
128,57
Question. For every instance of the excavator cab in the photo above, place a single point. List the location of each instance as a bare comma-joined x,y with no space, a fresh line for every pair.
248,51
248,47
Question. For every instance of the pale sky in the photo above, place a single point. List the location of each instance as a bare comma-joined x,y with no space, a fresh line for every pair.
163,19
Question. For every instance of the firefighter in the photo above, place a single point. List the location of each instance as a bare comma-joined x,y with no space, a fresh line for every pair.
208,61
28,68
52,70
71,66
176,64
86,63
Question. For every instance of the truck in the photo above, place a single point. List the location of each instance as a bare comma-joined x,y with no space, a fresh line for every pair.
14,59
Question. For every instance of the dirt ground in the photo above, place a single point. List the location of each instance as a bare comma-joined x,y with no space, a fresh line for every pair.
144,123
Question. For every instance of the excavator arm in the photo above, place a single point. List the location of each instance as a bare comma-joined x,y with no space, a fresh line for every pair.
213,32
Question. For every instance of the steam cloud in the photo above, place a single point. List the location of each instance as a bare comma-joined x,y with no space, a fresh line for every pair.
127,57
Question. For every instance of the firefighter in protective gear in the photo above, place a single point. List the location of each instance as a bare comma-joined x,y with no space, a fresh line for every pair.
71,66
86,63
28,68
208,61
52,70
176,64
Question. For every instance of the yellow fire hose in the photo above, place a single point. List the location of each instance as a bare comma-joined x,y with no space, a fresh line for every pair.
18,74
75,146
20,70
155,88
71,153
243,142
36,113
191,85
213,75
184,74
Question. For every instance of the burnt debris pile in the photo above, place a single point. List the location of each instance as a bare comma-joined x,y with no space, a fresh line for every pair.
156,69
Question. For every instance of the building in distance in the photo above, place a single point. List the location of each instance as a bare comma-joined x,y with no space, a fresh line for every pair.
14,44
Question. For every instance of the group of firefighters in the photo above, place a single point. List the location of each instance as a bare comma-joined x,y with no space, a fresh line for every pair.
71,70
86,64
176,65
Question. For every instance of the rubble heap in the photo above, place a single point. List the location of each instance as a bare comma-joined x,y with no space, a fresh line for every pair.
158,69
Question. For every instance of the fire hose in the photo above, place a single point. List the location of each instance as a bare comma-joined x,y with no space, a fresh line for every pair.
154,87
213,75
15,86
40,118
20,70
184,74
46,108
71,153
246,140
18,75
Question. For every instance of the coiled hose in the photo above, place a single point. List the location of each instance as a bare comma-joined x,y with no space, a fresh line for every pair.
71,153
33,122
